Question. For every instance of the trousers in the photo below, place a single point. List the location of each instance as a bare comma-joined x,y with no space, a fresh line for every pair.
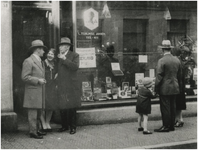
33,119
68,118
168,109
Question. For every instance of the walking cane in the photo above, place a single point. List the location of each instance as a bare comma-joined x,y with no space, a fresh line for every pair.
43,89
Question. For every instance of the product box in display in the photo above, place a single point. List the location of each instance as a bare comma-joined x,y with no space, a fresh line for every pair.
87,94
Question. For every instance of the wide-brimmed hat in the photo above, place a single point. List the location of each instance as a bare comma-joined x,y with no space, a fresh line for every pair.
147,82
166,44
65,40
37,43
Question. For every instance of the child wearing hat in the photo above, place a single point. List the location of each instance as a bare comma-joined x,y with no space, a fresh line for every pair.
143,105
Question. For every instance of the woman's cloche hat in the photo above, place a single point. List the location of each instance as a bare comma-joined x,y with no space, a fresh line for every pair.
148,82
166,44
37,43
65,40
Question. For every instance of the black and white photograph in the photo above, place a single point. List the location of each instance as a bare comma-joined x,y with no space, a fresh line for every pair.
125,86
98,74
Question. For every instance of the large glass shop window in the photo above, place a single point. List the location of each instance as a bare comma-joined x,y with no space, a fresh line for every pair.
179,37
107,68
118,46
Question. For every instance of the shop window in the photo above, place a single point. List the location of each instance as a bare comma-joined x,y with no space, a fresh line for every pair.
116,49
134,35
134,43
115,32
177,30
85,38
179,38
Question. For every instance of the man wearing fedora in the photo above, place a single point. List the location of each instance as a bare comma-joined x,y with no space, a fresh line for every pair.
33,74
69,90
167,85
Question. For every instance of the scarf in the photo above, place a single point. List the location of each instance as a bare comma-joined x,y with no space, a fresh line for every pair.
49,64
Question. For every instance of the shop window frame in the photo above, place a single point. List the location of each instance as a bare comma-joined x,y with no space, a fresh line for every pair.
141,28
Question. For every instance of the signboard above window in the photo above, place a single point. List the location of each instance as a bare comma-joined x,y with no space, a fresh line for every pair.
90,19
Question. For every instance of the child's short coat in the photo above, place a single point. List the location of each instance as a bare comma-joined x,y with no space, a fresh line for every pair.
143,105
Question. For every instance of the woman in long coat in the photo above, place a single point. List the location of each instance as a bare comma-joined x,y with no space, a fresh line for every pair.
50,90
181,98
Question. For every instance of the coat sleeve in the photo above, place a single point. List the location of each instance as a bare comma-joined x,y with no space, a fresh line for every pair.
179,78
151,95
72,64
159,75
26,74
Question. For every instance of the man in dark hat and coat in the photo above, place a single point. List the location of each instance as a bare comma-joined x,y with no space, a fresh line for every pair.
33,74
69,90
167,85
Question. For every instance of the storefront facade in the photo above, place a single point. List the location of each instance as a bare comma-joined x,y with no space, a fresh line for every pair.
110,37
127,34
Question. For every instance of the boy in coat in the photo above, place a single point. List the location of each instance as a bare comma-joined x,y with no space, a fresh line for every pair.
143,105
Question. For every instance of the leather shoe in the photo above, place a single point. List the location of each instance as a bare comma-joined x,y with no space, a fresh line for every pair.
41,133
162,129
140,129
171,129
46,130
62,129
147,132
72,131
179,124
36,136
49,130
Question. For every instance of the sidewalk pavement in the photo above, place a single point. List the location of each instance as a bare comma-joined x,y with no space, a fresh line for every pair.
107,136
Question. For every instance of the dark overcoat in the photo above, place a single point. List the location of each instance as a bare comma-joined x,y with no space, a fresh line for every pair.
69,89
32,71
143,105
50,88
182,75
181,98
168,77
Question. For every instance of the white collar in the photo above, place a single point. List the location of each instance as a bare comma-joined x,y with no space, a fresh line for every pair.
167,53
51,65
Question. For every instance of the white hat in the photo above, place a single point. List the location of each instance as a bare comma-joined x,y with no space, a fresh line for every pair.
166,44
148,82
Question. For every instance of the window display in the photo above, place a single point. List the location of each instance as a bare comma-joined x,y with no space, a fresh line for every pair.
118,45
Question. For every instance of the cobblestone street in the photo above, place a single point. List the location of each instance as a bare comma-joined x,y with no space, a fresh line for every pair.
108,136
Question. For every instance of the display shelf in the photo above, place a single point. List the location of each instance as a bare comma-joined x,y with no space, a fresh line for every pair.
123,102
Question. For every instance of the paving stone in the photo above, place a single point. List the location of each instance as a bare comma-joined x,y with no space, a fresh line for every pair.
108,136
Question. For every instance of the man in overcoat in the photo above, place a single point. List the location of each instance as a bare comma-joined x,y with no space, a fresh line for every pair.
69,90
167,85
33,74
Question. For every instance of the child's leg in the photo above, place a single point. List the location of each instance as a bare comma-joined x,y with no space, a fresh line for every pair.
140,117
146,131
145,121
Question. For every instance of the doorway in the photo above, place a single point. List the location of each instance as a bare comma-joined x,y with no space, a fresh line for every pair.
28,24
